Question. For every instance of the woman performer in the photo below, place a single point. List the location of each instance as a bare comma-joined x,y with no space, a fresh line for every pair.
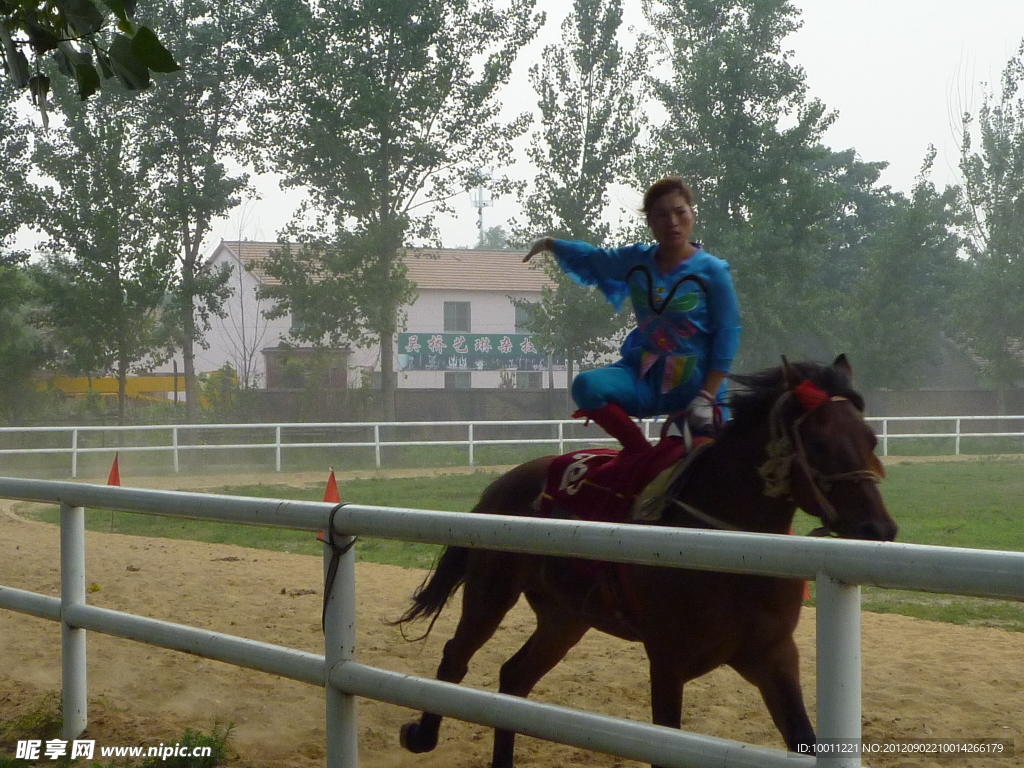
687,320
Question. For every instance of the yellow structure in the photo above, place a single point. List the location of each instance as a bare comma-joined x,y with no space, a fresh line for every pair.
154,389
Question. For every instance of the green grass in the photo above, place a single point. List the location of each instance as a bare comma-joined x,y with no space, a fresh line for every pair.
973,504
43,722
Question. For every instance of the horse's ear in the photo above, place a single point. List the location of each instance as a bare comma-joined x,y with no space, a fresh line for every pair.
790,374
843,365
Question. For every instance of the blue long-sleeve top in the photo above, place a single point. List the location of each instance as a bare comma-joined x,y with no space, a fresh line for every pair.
690,311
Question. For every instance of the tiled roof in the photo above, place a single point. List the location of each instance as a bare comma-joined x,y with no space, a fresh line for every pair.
438,268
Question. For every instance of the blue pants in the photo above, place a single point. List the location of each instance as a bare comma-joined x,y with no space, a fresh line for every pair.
641,398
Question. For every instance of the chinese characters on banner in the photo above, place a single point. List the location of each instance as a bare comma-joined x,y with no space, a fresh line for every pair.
470,352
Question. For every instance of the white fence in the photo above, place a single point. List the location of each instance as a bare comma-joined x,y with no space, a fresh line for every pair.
274,441
838,566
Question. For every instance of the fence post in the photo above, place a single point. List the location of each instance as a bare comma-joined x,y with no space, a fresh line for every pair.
957,449
74,454
885,437
277,448
340,647
72,639
561,438
839,671
471,444
174,443
376,445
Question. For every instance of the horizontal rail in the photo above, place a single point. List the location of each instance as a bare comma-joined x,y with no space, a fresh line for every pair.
837,565
892,565
276,436
629,739
601,733
31,603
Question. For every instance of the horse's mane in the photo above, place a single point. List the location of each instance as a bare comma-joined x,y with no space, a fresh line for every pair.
758,392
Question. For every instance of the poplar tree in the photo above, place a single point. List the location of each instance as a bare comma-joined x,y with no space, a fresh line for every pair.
590,91
992,166
899,303
106,275
383,112
743,131
188,133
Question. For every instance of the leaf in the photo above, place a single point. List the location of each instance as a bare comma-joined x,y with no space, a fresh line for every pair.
132,73
82,16
151,52
42,39
17,62
39,87
120,9
64,63
105,68
87,76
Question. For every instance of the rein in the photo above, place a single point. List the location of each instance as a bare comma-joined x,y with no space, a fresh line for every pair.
786,447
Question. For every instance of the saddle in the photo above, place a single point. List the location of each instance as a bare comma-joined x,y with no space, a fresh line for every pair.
611,486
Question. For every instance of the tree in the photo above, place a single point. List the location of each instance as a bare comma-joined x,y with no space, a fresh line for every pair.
22,348
743,132
186,136
589,102
106,276
15,162
383,111
989,304
78,35
494,239
900,302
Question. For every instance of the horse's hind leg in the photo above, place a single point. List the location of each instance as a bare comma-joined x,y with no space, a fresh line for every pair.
490,591
557,631
776,673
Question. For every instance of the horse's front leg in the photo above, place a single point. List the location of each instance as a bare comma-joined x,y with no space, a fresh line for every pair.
557,631
776,673
667,682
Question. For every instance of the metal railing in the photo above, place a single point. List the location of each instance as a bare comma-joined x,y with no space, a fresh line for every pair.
837,566
277,440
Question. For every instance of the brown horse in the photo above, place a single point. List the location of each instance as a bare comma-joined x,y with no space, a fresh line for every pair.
797,439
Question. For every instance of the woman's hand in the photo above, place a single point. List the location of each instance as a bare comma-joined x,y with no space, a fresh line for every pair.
539,246
704,411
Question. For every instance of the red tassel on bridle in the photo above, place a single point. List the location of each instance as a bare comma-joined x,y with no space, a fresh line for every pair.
811,395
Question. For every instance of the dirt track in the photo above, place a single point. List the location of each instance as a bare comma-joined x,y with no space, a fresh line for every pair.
921,679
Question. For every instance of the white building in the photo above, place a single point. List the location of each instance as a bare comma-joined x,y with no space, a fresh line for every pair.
463,331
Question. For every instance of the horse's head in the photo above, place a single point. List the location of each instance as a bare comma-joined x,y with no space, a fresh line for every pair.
821,451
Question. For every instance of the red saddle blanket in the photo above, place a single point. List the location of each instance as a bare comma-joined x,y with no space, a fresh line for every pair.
601,484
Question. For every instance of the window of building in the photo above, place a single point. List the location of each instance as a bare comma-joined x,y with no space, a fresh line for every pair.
529,379
457,317
457,380
523,317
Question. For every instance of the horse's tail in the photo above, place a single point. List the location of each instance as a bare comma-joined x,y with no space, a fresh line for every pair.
431,596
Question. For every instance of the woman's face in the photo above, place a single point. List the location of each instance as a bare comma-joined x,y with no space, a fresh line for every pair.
671,220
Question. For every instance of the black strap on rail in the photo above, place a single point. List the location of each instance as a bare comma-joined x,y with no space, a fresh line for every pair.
332,568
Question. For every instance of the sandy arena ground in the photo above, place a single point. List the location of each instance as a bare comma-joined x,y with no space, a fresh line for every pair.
921,679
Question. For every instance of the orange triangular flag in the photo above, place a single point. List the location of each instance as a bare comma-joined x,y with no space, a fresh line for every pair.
114,478
331,492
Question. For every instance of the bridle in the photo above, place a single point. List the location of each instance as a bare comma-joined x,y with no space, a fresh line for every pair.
786,449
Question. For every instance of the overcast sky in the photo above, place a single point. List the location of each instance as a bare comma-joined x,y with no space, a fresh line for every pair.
899,72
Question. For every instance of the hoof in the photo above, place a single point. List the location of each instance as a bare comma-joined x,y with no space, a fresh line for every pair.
408,739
